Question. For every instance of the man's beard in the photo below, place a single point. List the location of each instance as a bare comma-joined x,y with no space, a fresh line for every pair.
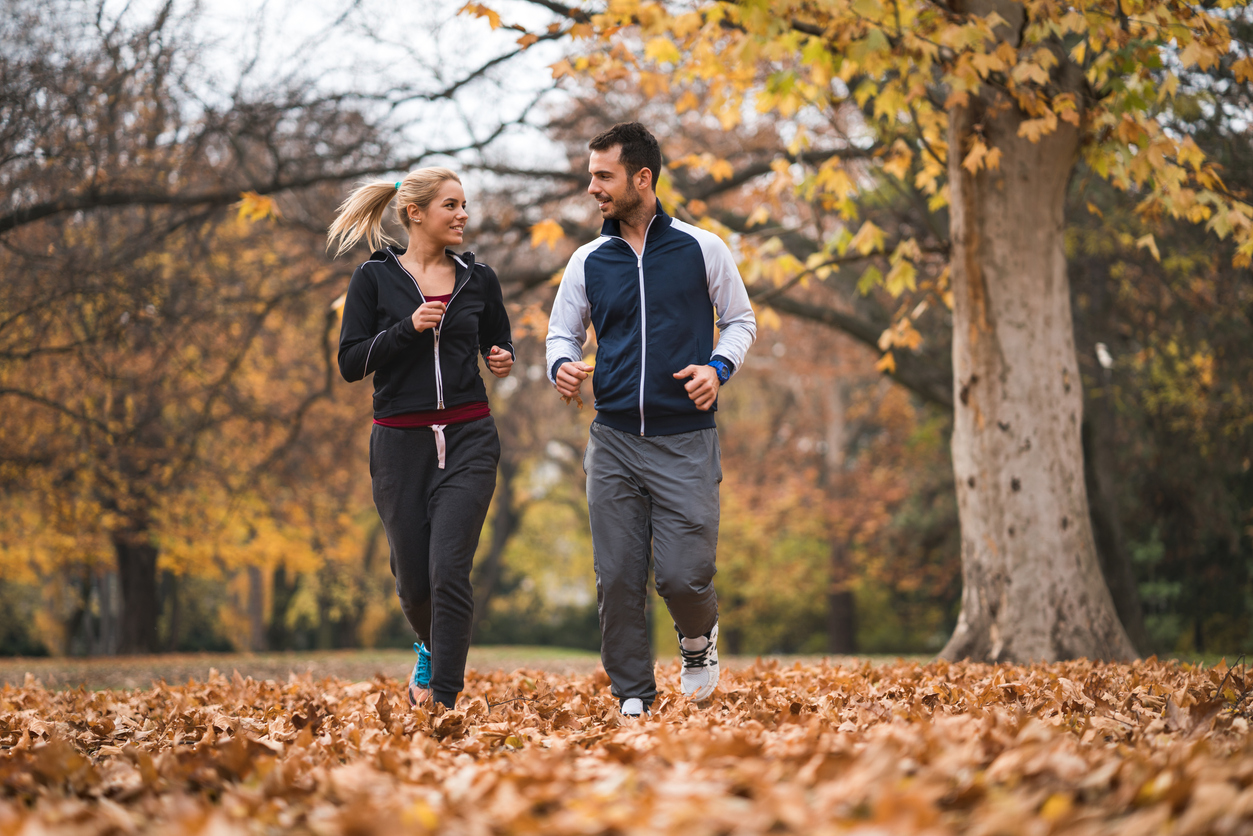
621,209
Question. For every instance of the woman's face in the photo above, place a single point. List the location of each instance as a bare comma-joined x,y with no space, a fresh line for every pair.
443,222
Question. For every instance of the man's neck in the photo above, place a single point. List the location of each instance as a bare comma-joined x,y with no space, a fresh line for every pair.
634,228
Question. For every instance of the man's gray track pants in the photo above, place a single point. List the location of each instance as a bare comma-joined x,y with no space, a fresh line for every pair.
658,496
433,518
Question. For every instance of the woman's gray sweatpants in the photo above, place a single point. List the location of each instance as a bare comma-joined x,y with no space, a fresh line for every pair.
433,519
653,496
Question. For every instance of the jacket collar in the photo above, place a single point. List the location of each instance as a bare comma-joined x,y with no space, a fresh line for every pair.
463,270
658,227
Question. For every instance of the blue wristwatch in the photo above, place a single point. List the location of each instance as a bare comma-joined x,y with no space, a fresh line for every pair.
723,370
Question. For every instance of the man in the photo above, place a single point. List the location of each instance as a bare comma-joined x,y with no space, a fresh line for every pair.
651,286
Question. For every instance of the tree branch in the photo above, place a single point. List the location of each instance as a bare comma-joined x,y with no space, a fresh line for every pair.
925,375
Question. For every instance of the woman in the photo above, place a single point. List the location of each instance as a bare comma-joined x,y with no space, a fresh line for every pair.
417,320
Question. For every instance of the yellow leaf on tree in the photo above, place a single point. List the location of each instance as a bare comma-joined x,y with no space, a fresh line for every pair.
1190,154
901,277
898,164
256,207
1033,129
721,170
663,51
479,10
886,364
868,239
547,232
1149,243
974,159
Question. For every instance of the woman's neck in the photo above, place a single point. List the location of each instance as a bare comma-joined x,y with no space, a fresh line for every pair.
424,254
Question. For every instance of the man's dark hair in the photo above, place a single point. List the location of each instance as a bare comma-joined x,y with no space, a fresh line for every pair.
639,147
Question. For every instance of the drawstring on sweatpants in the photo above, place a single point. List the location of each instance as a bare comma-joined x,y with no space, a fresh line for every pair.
440,446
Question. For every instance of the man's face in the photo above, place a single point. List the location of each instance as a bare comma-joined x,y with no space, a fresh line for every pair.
613,190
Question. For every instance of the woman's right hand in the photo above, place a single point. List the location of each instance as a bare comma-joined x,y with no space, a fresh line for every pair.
428,316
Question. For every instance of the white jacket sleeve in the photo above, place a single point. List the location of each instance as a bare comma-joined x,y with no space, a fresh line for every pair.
737,325
567,325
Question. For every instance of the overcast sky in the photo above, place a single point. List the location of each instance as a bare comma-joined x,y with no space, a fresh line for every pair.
372,45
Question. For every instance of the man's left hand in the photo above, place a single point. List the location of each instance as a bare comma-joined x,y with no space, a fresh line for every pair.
703,386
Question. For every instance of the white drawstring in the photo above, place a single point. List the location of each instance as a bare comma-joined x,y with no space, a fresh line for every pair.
439,442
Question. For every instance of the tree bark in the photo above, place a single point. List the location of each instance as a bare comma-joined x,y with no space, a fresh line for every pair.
137,574
1032,585
841,606
841,609
256,610
169,585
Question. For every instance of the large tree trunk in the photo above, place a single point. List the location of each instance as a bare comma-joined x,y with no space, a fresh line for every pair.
256,610
137,574
1032,586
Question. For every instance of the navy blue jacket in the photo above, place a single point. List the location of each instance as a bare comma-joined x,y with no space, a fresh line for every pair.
654,314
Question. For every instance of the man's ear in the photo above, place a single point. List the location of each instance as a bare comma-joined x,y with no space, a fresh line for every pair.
644,179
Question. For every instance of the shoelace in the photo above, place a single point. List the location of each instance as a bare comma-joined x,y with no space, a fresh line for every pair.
423,675
695,658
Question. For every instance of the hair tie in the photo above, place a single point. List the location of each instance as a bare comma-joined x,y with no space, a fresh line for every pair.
397,185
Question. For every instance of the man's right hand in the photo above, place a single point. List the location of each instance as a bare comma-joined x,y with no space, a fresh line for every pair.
570,377
428,316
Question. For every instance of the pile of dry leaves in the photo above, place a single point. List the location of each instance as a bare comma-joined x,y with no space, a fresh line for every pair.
1149,747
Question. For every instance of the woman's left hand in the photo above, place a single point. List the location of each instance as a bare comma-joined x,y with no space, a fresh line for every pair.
499,361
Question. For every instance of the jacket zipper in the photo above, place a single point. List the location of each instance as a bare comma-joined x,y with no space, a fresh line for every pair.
643,329
439,377
639,266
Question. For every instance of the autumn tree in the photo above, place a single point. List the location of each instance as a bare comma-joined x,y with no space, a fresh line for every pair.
987,107
143,324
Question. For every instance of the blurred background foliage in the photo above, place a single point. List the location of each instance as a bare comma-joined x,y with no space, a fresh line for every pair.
180,470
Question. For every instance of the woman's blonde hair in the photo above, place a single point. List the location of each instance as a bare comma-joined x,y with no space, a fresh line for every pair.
361,215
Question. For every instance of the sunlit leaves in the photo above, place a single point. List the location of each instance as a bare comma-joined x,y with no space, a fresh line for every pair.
897,56
868,239
480,10
663,51
1149,243
547,232
980,156
256,207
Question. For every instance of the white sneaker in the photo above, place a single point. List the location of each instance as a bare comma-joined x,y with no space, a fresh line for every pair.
633,709
700,672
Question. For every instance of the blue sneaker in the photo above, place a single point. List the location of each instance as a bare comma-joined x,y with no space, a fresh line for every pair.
420,679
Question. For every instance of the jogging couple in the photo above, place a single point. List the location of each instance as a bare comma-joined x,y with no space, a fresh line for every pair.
653,288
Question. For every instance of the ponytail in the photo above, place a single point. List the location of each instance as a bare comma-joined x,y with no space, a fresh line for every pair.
361,215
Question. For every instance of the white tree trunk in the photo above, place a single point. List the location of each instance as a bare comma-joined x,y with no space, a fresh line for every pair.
1032,586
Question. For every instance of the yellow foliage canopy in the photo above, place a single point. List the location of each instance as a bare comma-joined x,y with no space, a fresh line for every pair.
909,61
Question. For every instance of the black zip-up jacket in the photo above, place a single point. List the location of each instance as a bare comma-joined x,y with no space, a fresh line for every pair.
437,368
